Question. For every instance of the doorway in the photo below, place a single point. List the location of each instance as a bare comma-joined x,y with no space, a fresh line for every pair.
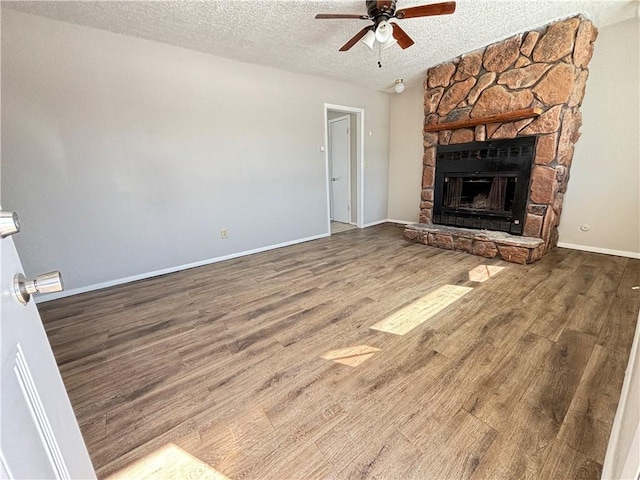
344,137
340,169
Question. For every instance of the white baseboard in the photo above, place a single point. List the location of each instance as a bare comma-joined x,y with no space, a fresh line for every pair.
164,271
373,224
387,220
401,222
606,251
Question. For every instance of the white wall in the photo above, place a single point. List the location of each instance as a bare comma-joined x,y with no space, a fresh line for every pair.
604,189
125,156
405,154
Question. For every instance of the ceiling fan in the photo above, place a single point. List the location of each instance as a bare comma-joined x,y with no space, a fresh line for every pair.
383,31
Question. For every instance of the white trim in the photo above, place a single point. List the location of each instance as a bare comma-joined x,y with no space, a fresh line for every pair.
5,471
178,268
388,220
614,447
607,251
326,166
373,224
631,467
403,222
39,415
346,117
360,159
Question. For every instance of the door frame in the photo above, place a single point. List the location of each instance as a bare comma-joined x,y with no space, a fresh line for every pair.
359,113
330,154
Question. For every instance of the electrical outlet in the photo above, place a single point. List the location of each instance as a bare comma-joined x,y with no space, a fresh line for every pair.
224,233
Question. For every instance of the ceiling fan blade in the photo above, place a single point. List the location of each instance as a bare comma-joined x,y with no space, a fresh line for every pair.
444,8
324,16
355,39
404,40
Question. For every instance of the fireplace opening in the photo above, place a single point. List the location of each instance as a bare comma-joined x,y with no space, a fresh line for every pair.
486,193
483,185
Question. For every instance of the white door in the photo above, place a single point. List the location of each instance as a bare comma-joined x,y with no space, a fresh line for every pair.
339,154
40,437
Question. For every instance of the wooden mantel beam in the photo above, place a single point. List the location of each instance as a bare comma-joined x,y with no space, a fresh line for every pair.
497,118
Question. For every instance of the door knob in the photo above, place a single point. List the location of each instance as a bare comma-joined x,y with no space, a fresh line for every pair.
9,223
333,179
46,283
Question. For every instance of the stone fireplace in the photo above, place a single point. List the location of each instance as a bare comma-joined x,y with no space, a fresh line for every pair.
526,89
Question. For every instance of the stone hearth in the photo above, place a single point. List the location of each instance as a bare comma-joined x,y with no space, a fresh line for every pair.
486,243
544,69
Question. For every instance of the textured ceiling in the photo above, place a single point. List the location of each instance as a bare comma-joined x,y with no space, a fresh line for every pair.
285,35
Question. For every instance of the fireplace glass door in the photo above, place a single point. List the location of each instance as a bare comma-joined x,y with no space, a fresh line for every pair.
483,184
480,193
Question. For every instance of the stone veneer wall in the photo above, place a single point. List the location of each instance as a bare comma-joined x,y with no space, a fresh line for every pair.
546,68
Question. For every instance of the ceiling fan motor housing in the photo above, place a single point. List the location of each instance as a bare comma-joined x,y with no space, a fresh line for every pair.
381,11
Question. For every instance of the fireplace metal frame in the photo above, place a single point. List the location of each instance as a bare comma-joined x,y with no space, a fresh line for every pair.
511,157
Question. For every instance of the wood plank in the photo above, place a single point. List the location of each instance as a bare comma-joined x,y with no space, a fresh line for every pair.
521,448
496,398
566,463
622,316
497,118
453,450
556,382
429,412
590,311
591,413
557,310
232,442
386,454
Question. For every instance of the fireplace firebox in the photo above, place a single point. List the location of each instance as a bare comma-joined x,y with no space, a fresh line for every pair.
483,185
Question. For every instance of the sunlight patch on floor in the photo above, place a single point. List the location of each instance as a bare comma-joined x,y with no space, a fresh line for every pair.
418,312
351,356
482,273
168,463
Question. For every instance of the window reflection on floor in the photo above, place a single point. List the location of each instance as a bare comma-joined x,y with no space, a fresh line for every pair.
482,273
168,463
421,310
351,356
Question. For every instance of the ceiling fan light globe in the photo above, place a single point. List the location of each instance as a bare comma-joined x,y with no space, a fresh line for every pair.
384,32
389,43
369,39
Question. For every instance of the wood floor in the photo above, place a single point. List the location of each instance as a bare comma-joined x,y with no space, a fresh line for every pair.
518,378
339,227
